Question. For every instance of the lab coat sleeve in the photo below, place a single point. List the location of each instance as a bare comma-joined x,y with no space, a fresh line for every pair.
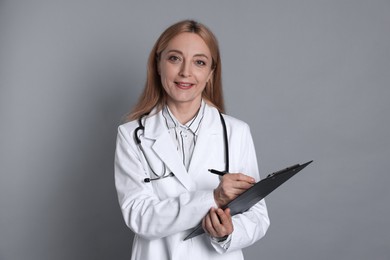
251,225
144,213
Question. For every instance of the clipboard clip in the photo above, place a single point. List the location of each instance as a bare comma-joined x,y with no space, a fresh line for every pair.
282,171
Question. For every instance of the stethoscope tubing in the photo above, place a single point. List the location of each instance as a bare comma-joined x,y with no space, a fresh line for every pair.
137,139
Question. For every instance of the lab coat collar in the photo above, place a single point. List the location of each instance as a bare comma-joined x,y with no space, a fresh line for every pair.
192,125
155,129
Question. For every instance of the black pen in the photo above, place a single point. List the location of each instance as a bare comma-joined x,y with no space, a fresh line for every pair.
217,172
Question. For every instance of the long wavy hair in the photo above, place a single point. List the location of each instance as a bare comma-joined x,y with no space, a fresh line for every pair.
154,94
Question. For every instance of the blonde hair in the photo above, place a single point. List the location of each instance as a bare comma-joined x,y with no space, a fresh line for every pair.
154,94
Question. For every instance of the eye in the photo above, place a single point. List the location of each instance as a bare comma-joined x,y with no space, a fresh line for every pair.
200,63
174,58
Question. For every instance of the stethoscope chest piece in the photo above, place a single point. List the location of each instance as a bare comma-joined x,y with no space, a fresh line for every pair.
159,178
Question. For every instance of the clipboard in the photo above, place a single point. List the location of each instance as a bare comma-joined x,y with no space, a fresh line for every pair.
256,193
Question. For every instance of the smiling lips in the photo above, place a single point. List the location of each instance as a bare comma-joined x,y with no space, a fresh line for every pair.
184,85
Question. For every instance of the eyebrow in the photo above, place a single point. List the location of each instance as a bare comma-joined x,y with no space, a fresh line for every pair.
196,55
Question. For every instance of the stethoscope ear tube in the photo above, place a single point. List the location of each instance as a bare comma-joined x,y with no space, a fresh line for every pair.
140,127
226,143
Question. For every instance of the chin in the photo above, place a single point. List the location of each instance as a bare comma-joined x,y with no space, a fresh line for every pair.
182,100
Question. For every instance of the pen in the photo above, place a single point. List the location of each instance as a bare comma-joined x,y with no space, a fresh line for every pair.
217,172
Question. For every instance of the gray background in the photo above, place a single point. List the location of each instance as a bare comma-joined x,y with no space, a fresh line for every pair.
310,77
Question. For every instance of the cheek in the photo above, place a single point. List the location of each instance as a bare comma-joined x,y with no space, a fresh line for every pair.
164,76
203,77
167,72
164,82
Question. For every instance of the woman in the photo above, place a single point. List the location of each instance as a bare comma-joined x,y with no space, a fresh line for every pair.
174,135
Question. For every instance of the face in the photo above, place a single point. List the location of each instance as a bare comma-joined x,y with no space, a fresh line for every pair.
184,68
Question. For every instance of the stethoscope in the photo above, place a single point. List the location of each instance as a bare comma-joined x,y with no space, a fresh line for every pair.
164,168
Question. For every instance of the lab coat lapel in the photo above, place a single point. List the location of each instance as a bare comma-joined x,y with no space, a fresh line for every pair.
165,149
205,145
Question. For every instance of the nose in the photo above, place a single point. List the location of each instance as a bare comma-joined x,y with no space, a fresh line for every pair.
185,70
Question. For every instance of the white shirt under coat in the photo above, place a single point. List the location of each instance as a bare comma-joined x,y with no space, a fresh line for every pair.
184,136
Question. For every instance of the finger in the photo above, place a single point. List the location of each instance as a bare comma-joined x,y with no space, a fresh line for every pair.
240,177
236,184
218,227
229,216
210,226
226,222
215,221
235,191
224,219
241,185
227,212
233,183
207,226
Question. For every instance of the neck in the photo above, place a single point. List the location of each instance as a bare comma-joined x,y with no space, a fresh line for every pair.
184,112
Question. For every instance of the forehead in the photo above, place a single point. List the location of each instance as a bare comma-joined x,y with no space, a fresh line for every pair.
188,43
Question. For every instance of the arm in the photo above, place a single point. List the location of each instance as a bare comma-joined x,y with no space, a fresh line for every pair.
252,224
144,213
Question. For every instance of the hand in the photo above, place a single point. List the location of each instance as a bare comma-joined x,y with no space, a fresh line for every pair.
218,223
232,185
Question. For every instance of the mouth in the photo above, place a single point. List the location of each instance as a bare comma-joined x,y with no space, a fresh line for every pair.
184,85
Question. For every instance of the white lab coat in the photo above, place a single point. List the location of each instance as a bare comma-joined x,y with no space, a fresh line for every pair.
163,212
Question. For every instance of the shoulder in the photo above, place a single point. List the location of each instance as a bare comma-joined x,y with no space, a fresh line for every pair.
150,125
232,124
131,126
237,128
126,131
235,124
128,127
